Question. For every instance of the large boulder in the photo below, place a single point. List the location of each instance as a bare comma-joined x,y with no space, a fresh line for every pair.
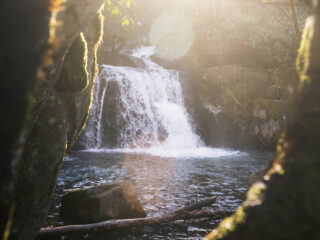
113,121
107,201
243,107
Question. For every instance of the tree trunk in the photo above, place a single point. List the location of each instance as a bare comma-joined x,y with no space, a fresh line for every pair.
33,42
286,205
23,42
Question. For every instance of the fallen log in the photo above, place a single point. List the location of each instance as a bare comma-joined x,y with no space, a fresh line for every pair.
197,205
186,212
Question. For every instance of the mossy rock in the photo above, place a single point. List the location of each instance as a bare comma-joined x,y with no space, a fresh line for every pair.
275,109
74,75
241,94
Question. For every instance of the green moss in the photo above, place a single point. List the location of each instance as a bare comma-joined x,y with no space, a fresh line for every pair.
98,21
272,107
304,50
227,225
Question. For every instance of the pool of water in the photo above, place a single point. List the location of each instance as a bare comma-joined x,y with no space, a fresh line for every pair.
163,183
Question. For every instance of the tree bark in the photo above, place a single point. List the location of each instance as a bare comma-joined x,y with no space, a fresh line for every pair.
286,4
23,41
34,38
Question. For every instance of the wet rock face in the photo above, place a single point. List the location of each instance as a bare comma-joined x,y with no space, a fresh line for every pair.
245,107
113,121
267,130
73,77
99,203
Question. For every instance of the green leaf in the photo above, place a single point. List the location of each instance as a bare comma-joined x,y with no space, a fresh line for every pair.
115,11
128,3
125,21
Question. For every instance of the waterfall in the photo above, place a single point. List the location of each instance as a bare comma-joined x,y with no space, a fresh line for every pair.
140,110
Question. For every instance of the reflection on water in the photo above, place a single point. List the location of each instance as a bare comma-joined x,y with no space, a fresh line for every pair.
150,173
163,184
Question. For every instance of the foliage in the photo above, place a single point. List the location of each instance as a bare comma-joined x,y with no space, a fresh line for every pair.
264,37
119,8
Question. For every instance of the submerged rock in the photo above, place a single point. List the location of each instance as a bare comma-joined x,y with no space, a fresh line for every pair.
107,201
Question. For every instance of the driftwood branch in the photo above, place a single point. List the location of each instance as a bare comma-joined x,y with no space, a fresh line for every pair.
186,212
197,205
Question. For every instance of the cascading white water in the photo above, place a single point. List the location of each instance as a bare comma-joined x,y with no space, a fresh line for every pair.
148,113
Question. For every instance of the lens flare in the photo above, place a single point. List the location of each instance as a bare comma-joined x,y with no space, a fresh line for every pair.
172,35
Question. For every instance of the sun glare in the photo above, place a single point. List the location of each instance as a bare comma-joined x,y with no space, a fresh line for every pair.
172,35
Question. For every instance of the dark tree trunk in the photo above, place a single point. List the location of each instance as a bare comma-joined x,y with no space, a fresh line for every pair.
32,46
24,32
286,205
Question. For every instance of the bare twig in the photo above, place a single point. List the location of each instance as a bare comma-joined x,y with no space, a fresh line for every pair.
276,17
295,18
281,9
